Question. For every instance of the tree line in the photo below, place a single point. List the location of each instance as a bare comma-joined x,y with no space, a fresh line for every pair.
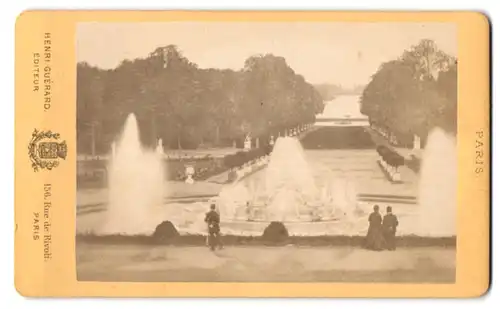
412,94
189,107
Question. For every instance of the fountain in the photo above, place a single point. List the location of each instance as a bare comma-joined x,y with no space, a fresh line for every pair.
135,185
438,187
287,191
288,166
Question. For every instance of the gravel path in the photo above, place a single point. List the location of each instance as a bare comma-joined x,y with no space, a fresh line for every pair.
131,263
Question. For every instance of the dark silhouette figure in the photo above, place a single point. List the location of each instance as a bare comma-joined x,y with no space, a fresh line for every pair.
375,237
212,219
389,225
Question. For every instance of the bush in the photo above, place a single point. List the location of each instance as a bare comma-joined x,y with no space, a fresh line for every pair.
390,156
165,231
275,232
397,159
240,158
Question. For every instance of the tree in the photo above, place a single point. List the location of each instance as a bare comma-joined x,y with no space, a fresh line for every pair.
447,87
427,60
188,107
414,93
90,90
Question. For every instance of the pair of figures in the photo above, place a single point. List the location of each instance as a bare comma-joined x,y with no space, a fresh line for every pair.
381,232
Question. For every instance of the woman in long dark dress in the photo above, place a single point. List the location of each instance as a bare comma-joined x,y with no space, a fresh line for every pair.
374,237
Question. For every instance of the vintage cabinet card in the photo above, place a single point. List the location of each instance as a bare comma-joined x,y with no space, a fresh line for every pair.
252,154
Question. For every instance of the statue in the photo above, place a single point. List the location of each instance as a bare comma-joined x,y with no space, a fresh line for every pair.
189,174
248,142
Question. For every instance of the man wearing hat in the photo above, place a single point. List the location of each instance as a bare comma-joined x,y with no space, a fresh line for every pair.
389,225
212,218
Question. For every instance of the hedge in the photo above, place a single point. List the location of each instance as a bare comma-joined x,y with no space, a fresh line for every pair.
275,233
390,156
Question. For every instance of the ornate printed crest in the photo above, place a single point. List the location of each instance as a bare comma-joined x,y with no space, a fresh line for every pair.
45,150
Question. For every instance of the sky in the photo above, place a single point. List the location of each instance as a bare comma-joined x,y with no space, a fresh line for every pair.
338,53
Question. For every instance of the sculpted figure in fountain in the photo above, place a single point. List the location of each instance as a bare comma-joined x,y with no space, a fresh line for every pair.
288,190
248,142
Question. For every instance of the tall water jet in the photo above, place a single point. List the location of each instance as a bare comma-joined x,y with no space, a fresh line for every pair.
289,180
343,195
135,185
287,190
438,186
285,205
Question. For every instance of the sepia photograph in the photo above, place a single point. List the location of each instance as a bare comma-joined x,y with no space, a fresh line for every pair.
266,152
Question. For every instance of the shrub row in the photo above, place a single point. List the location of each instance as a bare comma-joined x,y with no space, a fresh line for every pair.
390,156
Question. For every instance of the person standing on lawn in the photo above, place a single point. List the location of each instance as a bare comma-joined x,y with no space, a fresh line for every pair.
389,225
374,238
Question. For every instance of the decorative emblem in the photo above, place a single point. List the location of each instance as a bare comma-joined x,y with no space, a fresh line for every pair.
45,150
